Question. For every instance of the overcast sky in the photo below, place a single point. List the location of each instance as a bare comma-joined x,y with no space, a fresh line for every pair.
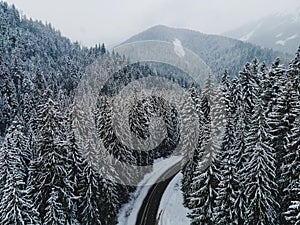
113,21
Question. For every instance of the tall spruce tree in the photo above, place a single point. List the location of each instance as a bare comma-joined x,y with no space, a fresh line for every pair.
54,210
49,171
279,115
289,167
259,172
8,101
245,94
224,212
75,169
204,184
15,204
192,160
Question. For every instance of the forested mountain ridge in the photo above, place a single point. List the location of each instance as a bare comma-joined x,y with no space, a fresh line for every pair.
35,56
218,52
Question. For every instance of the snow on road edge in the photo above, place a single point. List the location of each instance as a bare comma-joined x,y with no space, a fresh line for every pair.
171,206
129,212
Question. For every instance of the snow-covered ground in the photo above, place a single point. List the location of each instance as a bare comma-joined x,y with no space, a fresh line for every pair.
171,209
128,213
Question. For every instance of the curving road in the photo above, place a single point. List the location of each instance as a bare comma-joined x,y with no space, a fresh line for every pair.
148,211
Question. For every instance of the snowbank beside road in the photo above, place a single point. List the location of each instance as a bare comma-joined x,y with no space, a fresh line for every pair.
129,212
171,209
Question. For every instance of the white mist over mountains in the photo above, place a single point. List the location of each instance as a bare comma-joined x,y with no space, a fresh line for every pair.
112,22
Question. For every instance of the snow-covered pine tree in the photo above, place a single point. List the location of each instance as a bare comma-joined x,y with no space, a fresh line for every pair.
248,80
54,210
17,74
89,202
28,109
8,101
89,208
227,189
192,160
139,128
40,86
109,195
138,120
107,134
171,124
294,70
49,170
114,148
237,149
289,168
109,200
244,94
15,204
103,49
259,172
238,159
201,199
75,169
292,215
279,117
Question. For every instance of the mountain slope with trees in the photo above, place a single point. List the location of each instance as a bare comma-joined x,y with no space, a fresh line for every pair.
218,52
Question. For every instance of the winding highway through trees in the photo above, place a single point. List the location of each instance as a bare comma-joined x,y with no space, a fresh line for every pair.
148,211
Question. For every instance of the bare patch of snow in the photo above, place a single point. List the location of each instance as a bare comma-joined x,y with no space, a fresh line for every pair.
283,42
280,42
251,33
179,50
292,37
171,210
247,36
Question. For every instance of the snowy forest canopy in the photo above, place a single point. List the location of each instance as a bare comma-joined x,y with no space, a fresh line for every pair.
253,173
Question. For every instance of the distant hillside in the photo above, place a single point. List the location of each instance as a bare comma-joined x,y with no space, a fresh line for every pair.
218,52
279,31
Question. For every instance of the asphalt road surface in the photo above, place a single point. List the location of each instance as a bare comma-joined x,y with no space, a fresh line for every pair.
149,208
